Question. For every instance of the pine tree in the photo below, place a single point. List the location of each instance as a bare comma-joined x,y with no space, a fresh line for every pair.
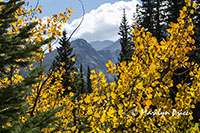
66,60
173,10
125,40
82,82
13,51
152,16
89,84
144,14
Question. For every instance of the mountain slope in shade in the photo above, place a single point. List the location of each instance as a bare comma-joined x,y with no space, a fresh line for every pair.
99,45
114,47
88,56
85,55
111,52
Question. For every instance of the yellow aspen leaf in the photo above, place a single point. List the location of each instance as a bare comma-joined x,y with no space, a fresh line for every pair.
148,102
101,75
87,99
122,96
96,114
70,11
73,59
139,85
150,89
40,8
184,8
152,68
103,118
71,94
82,107
93,71
96,99
166,59
192,11
108,130
142,29
73,128
120,106
113,95
187,49
194,5
192,41
63,63
189,4
29,12
89,111
3,126
9,31
191,74
48,20
190,117
193,106
69,88
8,124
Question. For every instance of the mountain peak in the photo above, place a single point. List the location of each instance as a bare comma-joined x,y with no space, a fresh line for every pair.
80,40
80,43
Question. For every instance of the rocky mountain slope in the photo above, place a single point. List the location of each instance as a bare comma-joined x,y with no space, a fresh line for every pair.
87,55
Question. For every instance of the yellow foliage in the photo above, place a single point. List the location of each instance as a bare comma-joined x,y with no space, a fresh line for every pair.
144,83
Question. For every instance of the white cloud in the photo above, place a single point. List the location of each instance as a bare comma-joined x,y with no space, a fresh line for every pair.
103,22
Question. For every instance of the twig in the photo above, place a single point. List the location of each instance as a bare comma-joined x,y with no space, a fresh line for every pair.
80,22
179,74
75,28
38,94
132,90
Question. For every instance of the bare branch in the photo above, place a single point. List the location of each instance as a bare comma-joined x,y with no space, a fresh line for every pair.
80,22
38,93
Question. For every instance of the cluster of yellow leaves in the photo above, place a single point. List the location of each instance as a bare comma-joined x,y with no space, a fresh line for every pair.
14,79
54,90
47,95
144,82
49,27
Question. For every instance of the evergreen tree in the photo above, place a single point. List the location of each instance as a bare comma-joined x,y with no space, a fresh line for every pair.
13,104
144,14
173,9
82,82
89,84
152,16
125,40
160,17
66,60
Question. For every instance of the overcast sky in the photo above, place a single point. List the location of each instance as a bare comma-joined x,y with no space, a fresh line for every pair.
102,18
